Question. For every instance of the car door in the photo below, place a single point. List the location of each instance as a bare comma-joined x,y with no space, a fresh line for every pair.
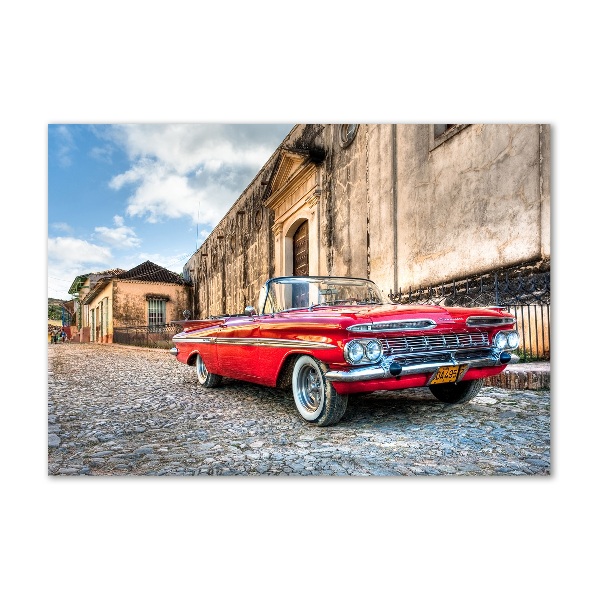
237,348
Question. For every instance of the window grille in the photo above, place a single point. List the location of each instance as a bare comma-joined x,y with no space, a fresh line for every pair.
441,129
157,311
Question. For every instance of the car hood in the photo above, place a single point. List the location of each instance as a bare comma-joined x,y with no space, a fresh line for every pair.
408,311
301,321
354,315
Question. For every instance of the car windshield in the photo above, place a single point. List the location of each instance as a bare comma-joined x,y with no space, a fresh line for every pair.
287,293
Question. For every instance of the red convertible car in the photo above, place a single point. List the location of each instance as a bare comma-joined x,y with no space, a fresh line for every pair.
328,337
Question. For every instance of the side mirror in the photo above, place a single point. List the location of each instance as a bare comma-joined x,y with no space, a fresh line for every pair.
250,311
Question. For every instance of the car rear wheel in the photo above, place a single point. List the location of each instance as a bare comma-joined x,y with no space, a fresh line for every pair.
315,397
457,393
206,379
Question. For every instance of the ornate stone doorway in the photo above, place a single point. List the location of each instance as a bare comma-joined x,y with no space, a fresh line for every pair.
294,198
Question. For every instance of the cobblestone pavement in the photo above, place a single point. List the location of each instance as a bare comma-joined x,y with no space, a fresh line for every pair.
119,410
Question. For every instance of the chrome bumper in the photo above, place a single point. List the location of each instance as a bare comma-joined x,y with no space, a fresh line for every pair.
174,351
382,370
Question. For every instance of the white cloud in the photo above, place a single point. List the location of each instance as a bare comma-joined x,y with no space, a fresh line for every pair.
102,154
66,146
191,171
212,165
171,196
118,237
61,227
67,250
184,147
69,257
134,175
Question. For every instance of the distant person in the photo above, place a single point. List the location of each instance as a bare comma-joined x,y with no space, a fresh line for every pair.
63,336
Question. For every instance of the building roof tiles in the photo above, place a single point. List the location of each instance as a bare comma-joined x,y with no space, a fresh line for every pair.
149,271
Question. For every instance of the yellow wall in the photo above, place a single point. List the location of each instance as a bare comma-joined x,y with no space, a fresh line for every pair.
130,305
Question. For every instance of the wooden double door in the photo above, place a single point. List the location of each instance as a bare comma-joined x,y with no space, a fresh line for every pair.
301,250
300,265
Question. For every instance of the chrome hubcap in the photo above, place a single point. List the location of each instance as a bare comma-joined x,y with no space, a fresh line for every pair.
201,370
310,388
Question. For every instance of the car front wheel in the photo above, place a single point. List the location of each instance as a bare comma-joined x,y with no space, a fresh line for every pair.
206,379
315,397
457,393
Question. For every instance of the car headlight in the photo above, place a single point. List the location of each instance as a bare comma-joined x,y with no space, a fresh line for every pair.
373,351
354,352
500,341
506,340
363,351
513,340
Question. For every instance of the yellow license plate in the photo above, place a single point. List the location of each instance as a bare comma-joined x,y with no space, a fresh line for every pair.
448,374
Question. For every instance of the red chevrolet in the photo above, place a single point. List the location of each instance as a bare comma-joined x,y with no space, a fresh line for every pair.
328,337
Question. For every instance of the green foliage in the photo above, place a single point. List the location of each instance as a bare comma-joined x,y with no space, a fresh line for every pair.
54,312
529,358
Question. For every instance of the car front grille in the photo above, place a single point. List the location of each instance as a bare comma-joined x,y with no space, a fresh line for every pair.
458,356
436,343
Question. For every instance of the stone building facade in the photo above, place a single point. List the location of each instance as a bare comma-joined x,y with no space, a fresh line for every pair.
404,205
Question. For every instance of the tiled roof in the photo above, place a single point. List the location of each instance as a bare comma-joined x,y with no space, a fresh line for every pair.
148,271
109,272
95,291
97,275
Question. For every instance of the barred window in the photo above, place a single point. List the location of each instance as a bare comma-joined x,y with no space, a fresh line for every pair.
441,129
439,134
157,311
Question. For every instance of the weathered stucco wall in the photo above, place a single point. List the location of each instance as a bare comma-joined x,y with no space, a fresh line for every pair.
394,205
234,261
469,205
345,182
130,307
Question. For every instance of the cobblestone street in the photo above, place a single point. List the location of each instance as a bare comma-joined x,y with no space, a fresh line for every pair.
119,410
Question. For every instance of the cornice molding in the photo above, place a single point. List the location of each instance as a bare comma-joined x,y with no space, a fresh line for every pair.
293,170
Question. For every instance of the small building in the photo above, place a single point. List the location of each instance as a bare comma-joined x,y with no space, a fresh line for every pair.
146,296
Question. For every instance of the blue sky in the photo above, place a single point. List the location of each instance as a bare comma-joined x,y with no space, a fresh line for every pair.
119,195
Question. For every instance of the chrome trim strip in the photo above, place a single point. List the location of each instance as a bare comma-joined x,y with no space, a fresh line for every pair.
270,342
490,321
396,325
382,371
198,340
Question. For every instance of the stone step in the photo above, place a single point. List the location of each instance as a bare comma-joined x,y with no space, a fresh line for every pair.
526,376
